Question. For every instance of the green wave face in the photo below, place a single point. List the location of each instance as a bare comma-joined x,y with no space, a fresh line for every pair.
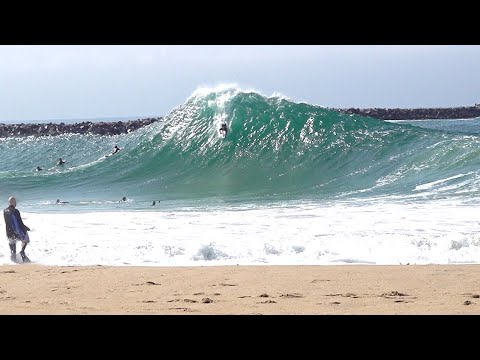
274,148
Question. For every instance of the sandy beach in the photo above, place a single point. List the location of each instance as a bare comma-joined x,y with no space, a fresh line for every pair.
407,289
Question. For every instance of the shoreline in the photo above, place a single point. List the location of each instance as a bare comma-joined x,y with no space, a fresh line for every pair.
265,289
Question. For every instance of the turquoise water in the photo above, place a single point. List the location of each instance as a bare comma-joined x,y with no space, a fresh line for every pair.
292,183
276,151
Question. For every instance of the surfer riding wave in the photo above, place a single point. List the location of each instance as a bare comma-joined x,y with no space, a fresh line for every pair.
223,129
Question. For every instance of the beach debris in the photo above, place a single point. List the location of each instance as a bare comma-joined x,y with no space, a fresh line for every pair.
264,295
66,272
335,303
190,300
267,302
393,294
224,284
476,296
199,293
294,295
152,283
352,295
207,300
467,302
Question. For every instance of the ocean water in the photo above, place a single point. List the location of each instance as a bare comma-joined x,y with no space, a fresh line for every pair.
292,183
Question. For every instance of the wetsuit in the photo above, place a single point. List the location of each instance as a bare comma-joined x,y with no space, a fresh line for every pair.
16,230
224,129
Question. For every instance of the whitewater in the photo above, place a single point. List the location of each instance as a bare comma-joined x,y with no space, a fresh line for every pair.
293,183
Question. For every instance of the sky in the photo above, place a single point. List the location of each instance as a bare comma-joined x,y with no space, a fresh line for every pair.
101,81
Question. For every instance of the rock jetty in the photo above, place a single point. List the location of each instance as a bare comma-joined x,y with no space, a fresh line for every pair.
52,129
466,112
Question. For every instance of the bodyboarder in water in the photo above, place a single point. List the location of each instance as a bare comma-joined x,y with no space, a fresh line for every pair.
223,130
115,149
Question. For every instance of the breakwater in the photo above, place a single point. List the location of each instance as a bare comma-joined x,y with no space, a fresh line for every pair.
87,127
465,112
122,127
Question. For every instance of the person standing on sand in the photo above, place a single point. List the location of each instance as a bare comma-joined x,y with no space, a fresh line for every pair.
16,230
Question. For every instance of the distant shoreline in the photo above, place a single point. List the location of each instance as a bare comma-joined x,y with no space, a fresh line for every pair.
464,112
